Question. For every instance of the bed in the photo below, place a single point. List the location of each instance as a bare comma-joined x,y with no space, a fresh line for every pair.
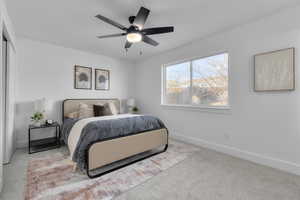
111,142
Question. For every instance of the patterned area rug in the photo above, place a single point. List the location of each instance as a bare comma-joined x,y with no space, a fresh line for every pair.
52,177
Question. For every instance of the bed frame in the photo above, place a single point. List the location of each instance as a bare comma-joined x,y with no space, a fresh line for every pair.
105,153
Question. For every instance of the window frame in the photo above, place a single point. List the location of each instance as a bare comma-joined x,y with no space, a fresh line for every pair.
191,106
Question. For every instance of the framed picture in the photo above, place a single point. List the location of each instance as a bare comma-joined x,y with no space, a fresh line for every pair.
82,77
275,71
102,79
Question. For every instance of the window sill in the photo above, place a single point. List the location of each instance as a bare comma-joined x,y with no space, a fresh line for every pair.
215,109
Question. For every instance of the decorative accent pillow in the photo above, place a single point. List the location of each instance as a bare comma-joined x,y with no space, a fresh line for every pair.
84,111
106,110
113,109
99,110
73,115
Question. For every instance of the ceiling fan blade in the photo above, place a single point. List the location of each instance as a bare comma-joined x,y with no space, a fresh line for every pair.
112,35
150,41
128,45
158,30
141,17
111,22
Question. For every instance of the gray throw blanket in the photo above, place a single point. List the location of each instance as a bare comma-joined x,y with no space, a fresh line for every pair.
107,129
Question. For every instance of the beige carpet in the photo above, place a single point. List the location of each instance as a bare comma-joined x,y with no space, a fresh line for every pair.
204,175
52,177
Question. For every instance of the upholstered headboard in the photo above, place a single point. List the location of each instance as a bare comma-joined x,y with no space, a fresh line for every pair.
71,105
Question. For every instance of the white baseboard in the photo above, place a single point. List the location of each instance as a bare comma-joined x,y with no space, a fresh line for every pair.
254,157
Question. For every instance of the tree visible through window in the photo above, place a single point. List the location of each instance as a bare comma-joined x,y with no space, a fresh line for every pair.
200,82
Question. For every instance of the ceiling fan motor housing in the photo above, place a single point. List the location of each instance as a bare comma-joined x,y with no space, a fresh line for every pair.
133,29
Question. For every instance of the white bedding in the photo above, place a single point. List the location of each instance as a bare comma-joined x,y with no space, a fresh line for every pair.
76,130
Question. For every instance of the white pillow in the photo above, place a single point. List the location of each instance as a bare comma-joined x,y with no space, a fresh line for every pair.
113,109
84,111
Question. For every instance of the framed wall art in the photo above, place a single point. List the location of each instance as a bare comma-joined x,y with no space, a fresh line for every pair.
82,77
102,79
275,71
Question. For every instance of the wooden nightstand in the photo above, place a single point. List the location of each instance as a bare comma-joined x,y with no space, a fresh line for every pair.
45,144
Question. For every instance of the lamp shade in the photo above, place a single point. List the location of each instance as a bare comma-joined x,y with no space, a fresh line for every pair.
48,106
43,105
40,105
131,102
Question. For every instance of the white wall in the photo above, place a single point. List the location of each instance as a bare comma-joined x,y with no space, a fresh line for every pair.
7,29
263,127
47,70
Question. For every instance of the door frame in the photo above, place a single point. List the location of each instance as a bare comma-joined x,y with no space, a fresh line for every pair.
5,98
8,135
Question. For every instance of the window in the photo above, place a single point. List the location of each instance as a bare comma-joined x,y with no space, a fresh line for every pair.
201,82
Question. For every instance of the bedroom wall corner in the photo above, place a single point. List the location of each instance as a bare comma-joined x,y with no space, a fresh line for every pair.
47,71
262,127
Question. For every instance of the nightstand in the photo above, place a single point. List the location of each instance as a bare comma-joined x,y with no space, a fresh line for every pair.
44,144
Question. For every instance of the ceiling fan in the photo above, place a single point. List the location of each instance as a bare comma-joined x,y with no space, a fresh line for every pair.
136,32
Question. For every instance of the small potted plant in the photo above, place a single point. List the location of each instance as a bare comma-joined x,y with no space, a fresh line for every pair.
135,110
37,118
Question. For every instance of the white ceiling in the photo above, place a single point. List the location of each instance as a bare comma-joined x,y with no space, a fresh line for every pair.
71,23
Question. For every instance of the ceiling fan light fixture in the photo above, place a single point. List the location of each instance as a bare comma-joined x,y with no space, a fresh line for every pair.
136,32
134,37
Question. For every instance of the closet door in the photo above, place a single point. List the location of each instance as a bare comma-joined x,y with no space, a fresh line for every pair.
2,105
3,94
8,101
10,104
